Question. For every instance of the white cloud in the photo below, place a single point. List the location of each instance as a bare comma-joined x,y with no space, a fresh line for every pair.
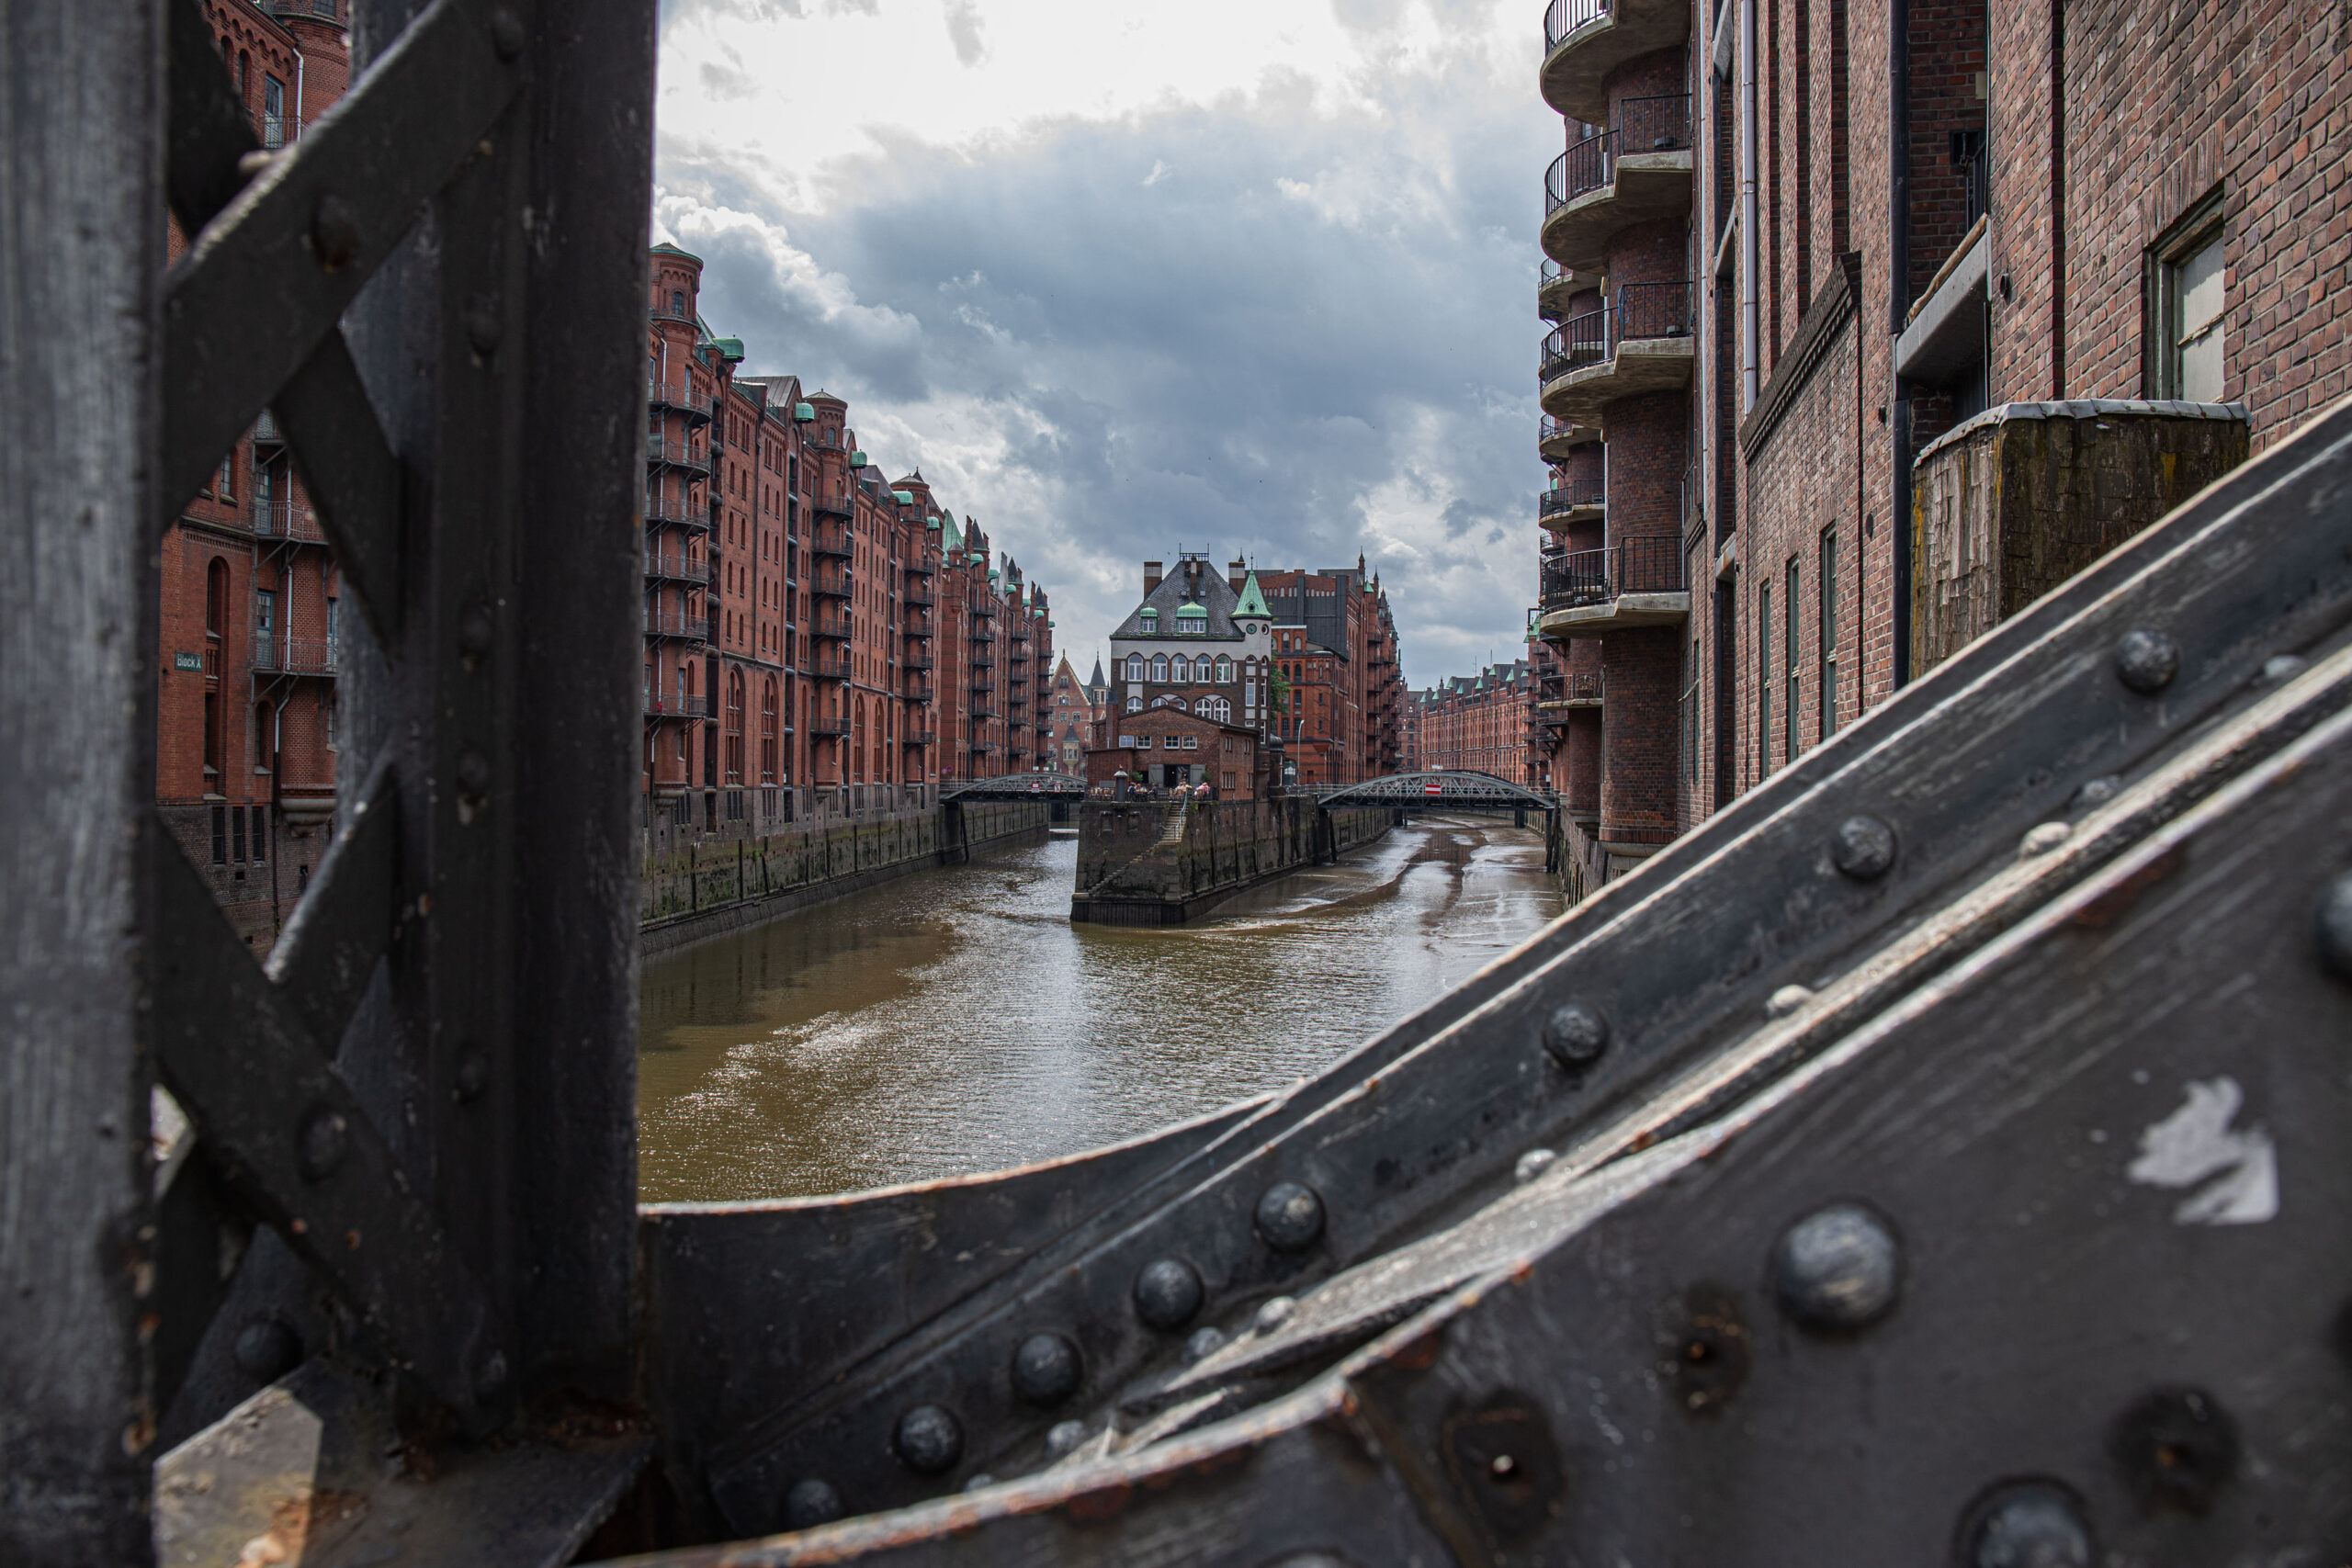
1320,340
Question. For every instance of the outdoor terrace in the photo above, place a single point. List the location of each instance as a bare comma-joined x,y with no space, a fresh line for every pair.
1584,41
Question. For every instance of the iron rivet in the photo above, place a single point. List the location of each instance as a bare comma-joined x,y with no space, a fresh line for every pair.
1862,848
1786,1001
325,1140
980,1483
266,1349
1290,1216
2095,792
1575,1035
474,632
1205,1343
2146,660
335,233
2178,1449
1045,1370
484,328
811,1503
2028,1524
1167,1294
1531,1164
1838,1267
2042,838
929,1439
472,1075
2332,923
2282,667
1274,1314
1063,1437
1503,1467
506,32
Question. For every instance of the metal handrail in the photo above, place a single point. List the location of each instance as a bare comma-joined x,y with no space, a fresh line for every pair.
1578,342
1653,309
284,520
1578,578
1658,123
679,565
675,451
681,512
293,655
1562,17
693,705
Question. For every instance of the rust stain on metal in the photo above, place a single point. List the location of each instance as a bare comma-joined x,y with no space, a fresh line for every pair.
2113,903
1101,1503
302,1525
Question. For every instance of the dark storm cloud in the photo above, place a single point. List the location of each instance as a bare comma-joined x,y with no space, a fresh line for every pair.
1252,328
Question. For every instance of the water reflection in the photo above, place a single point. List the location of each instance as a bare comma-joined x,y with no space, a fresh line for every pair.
956,1021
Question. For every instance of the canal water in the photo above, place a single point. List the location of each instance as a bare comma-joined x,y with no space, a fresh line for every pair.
955,1022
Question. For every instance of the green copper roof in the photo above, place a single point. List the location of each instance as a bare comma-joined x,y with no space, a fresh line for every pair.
1254,601
857,459
730,349
803,413
1192,613
932,524
950,540
904,497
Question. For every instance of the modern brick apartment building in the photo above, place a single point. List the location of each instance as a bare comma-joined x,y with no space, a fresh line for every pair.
1875,322
250,624
1479,723
814,632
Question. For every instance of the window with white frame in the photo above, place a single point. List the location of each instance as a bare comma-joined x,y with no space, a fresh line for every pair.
2188,277
1217,708
1159,669
1224,671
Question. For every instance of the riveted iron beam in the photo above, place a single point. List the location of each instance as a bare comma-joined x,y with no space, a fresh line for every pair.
268,279
347,918
1425,1123
291,1139
361,488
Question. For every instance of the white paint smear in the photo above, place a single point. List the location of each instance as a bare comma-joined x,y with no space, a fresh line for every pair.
2195,1144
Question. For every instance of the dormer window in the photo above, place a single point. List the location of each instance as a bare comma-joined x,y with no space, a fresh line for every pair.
1150,626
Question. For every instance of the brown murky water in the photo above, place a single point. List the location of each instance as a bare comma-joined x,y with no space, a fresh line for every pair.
956,1021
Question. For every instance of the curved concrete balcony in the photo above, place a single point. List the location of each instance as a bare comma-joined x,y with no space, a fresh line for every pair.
1642,343
1584,41
1628,586
1637,173
1560,509
1553,290
1554,439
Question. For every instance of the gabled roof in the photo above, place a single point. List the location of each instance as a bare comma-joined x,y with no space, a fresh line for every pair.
1253,599
1206,588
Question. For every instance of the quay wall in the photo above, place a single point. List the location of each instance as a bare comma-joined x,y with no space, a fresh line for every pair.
1155,862
699,884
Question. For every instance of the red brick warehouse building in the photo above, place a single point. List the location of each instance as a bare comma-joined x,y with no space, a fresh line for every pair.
1478,723
251,626
1822,270
815,634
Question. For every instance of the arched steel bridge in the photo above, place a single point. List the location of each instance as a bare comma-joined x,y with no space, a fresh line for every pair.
1017,786
1450,787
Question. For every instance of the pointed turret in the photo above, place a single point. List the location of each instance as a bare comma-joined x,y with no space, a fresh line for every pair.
1254,601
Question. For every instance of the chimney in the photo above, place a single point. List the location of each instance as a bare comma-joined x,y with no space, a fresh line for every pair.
1150,577
1237,574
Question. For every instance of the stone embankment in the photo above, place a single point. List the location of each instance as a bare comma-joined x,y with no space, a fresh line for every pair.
1160,864
699,884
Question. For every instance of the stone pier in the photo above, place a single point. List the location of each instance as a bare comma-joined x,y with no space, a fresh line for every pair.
1151,862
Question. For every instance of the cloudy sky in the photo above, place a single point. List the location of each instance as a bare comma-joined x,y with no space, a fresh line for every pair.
1252,277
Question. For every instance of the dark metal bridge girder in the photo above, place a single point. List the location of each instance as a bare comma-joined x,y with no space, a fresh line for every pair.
1017,786
1450,787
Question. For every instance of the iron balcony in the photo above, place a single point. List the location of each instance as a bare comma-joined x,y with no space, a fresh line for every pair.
693,704
1632,584
284,520
1584,40
675,394
276,654
1640,342
663,451
676,566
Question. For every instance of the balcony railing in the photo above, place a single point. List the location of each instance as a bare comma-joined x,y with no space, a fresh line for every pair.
1580,578
1562,17
284,520
675,452
331,10
917,689
690,704
831,669
1644,125
829,626
676,566
916,661
1652,310
830,542
984,707
1554,503
276,655
1575,344
677,392
681,512
829,585
677,623
919,598
828,726
266,431
983,682
919,738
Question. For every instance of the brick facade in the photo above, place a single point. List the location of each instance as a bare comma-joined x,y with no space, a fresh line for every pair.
2086,149
1479,724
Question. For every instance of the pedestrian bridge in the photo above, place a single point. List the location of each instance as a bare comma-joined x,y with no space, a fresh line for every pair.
1017,786
1446,786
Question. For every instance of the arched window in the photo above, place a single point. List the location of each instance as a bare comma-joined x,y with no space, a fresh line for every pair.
1135,669
1224,671
677,302
1216,709
1161,702
857,727
1159,669
767,731
735,726
1135,704
1179,670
